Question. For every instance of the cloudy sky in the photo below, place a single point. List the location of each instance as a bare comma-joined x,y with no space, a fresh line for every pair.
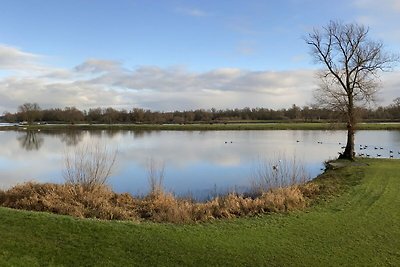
174,54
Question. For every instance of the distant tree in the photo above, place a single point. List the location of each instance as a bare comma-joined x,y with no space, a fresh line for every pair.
394,109
294,112
9,117
30,112
351,65
94,114
396,102
52,115
137,115
110,115
72,115
123,116
189,116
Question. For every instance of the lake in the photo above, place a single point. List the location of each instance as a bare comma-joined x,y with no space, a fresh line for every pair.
197,163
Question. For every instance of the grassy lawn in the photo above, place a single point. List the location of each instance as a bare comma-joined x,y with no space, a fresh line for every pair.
356,222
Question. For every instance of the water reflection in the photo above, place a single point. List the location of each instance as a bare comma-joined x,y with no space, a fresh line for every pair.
31,140
196,162
72,138
396,136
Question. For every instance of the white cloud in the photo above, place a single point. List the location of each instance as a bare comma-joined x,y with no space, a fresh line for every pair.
223,79
105,83
98,66
390,85
14,59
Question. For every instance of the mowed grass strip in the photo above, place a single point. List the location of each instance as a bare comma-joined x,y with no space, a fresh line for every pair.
356,222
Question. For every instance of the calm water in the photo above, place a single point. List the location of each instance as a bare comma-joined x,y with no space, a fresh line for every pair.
196,162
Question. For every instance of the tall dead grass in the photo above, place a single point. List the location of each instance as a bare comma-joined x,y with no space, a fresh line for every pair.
80,198
67,199
102,203
278,172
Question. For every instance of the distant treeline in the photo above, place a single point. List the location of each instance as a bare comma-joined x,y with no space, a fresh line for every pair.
31,112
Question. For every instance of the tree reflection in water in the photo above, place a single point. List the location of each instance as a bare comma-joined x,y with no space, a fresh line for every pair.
71,138
31,140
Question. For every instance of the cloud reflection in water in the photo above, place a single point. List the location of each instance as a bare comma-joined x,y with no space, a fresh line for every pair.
196,162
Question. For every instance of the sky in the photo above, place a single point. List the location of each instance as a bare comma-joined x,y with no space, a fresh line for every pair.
170,55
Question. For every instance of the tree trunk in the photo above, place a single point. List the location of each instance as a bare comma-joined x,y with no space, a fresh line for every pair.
349,150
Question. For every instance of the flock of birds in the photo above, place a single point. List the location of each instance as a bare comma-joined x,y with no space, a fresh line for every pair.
370,151
363,150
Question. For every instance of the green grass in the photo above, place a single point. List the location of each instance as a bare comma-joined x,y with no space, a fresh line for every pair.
212,127
355,222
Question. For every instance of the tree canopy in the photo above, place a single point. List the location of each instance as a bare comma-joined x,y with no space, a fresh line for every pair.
351,65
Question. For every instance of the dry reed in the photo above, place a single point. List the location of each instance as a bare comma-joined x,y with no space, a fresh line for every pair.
84,194
278,172
102,203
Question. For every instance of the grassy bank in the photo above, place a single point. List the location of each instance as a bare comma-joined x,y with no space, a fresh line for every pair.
208,127
355,222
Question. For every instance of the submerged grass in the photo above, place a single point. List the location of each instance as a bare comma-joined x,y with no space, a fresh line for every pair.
354,222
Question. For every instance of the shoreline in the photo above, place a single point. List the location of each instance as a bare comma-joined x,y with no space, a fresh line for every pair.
205,127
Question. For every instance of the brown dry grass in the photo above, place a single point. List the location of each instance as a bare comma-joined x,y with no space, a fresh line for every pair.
67,199
100,202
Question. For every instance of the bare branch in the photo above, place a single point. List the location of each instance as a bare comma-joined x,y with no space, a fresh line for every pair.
352,64
89,165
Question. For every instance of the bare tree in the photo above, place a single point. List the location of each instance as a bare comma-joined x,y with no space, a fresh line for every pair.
396,102
155,175
89,165
30,112
350,78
